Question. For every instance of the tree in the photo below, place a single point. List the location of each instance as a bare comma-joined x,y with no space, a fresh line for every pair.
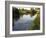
33,12
16,14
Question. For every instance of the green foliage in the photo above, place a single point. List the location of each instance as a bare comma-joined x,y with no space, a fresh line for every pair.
36,23
20,12
33,12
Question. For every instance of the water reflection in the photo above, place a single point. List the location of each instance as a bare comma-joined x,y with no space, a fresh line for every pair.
24,22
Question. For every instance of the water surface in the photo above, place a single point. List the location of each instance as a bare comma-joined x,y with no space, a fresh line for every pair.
23,22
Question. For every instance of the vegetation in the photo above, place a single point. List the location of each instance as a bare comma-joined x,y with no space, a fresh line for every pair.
36,23
20,12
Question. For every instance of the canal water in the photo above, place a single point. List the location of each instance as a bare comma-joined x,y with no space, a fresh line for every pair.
23,23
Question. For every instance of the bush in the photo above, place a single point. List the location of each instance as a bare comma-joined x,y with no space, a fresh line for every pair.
36,23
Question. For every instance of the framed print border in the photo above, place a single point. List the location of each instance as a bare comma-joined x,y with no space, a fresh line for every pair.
7,18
